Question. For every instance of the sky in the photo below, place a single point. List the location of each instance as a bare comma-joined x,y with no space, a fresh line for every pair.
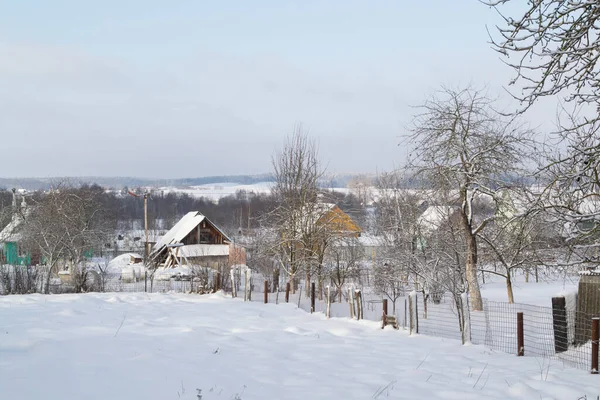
195,88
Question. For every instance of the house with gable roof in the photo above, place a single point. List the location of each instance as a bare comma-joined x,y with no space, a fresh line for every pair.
195,240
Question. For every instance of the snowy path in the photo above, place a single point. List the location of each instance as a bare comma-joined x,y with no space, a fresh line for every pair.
138,346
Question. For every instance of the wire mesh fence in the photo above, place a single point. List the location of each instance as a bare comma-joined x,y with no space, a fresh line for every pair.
438,316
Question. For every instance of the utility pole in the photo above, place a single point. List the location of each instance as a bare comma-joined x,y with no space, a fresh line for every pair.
146,252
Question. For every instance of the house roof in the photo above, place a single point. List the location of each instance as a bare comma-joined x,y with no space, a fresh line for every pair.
181,229
9,233
203,250
433,216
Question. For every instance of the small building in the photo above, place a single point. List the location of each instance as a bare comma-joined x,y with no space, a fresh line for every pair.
195,240
10,250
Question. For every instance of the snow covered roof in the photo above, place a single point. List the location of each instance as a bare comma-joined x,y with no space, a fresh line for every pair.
203,250
181,229
433,216
9,233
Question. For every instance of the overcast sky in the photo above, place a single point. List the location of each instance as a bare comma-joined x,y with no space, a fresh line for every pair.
194,88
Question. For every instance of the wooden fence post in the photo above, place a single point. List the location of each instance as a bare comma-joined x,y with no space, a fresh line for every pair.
520,336
595,339
328,299
218,282
359,305
266,292
145,281
559,324
287,292
351,303
312,297
411,320
385,313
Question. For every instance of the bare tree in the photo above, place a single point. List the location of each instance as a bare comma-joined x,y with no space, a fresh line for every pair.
65,224
342,262
297,170
460,143
556,48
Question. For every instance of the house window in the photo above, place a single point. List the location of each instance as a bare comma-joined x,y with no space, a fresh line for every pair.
205,238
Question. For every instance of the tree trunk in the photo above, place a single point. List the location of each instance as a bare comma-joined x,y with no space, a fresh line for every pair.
471,271
275,278
509,289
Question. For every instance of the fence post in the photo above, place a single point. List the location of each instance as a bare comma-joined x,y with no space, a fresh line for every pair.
595,339
312,297
328,293
246,282
520,336
559,324
266,291
416,306
287,292
351,302
411,319
218,282
145,281
385,311
359,306
404,321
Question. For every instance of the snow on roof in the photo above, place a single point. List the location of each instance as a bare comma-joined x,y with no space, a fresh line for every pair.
9,233
203,250
370,241
181,229
433,216
184,226
122,261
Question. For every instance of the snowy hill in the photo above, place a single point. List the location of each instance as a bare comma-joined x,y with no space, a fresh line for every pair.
190,347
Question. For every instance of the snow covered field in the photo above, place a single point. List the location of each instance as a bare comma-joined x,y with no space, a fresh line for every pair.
175,346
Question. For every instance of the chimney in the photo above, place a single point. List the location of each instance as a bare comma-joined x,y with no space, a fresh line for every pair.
14,200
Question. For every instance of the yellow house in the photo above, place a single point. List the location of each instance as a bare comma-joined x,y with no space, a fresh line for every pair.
334,221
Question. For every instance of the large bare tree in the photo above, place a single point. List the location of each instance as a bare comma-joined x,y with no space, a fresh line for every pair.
64,224
460,144
297,170
553,46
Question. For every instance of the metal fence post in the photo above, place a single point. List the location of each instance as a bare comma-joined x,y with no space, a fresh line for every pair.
595,339
520,336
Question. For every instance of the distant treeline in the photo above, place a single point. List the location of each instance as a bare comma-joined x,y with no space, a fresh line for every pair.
242,210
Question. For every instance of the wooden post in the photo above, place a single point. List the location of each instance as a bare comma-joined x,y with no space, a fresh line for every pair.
246,283
520,336
385,312
287,292
312,297
218,282
328,299
145,281
411,321
266,292
595,339
351,303
559,323
359,305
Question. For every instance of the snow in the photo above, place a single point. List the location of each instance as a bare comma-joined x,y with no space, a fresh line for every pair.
538,294
169,346
203,250
188,222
